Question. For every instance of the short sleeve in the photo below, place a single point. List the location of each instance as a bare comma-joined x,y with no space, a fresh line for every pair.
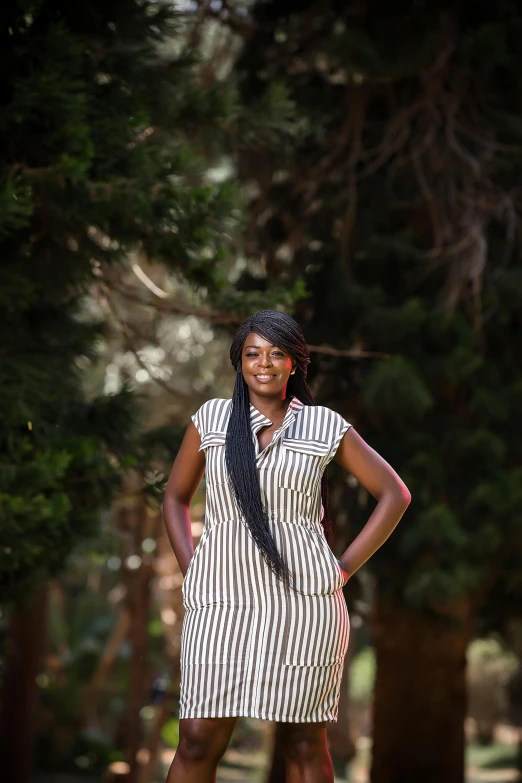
200,419
337,426
210,421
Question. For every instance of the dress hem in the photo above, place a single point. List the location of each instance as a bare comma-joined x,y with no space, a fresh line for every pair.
275,718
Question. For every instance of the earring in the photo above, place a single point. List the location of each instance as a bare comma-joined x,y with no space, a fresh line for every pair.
293,372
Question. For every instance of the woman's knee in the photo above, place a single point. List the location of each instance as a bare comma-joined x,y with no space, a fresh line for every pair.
304,751
203,739
303,744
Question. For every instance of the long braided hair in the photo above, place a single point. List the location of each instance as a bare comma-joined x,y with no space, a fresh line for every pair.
240,456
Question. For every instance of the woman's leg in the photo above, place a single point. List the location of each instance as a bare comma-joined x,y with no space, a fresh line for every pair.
202,743
305,748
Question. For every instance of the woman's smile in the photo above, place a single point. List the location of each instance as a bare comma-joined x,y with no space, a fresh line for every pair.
266,367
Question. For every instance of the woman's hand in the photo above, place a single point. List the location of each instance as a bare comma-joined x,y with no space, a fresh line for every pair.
345,572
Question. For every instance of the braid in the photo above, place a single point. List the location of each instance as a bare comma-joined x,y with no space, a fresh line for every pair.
240,459
240,455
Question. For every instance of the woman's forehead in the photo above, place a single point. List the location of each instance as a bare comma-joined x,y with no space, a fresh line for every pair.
255,340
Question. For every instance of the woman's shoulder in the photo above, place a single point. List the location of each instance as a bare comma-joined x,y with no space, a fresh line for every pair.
324,423
323,413
327,427
211,415
216,403
325,410
212,410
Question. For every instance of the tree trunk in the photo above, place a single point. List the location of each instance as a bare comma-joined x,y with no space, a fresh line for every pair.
137,522
420,694
150,771
25,647
87,712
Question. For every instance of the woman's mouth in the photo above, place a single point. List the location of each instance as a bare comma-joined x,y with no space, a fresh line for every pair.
264,378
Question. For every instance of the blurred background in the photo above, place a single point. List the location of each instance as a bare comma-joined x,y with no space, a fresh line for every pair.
167,169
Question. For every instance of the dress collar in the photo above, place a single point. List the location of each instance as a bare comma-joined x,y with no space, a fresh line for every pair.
258,420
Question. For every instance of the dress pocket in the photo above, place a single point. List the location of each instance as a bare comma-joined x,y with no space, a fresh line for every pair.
310,446
195,555
210,576
320,634
320,659
206,635
302,460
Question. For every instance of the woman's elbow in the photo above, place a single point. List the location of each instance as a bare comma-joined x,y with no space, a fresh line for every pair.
398,495
403,495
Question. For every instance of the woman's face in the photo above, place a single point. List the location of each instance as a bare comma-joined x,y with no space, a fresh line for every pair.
266,367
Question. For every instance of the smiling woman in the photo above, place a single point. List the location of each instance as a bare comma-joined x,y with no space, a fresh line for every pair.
267,365
266,626
266,362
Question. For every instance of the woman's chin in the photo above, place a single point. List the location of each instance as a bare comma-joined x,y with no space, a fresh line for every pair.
271,387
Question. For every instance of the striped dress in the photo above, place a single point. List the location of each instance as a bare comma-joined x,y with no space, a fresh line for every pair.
248,647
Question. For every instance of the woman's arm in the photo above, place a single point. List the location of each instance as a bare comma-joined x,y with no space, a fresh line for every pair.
383,483
184,479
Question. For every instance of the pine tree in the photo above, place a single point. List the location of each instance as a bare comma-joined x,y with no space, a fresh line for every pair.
97,114
397,200
102,133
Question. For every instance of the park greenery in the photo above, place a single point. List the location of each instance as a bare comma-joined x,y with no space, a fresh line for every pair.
168,168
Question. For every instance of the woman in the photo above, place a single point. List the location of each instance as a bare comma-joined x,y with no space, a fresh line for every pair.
266,625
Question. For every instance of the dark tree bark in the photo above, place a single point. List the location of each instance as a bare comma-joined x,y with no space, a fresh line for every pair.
137,522
420,694
150,771
25,647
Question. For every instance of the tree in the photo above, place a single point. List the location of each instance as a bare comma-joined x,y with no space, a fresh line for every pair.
102,115
396,199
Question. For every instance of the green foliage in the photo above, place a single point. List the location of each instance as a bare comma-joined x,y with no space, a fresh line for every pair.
394,389
436,528
394,191
102,137
16,207
490,651
170,733
53,489
276,296
78,632
362,677
268,119
489,669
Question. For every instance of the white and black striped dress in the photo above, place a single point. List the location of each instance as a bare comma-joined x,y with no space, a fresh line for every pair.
248,647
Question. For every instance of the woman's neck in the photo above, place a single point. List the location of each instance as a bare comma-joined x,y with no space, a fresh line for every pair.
271,407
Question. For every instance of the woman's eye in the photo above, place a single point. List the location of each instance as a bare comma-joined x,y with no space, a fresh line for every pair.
275,353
